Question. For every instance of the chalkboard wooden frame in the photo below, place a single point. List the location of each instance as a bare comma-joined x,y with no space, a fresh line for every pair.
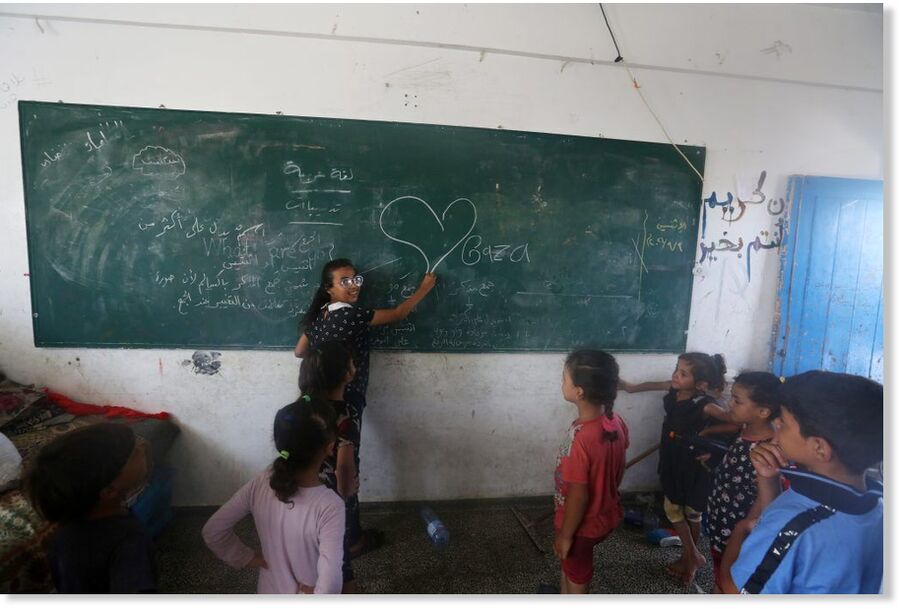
156,228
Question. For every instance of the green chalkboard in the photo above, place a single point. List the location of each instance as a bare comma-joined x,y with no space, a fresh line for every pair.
169,228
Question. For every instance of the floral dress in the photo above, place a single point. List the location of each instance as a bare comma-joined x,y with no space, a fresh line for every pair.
733,494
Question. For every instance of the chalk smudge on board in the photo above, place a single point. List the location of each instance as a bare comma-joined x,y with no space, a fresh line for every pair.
203,362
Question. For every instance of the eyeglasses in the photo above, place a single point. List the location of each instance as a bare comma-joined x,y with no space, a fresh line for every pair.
346,282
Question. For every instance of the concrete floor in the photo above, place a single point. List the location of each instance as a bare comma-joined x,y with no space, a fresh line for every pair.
489,553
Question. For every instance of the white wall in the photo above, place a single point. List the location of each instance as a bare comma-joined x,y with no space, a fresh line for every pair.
789,89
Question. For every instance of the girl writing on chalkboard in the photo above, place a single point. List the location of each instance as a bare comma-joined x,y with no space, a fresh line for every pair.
686,480
333,315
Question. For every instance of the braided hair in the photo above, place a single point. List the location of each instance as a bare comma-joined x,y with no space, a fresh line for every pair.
597,374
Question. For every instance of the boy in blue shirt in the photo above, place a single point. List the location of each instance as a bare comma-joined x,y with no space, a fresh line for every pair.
825,534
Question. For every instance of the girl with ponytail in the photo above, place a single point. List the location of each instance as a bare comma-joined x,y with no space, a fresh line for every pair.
299,521
333,316
690,410
324,373
589,467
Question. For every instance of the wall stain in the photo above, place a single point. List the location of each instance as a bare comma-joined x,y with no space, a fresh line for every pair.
778,48
202,362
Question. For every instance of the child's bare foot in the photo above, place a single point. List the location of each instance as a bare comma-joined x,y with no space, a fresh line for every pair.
690,569
676,568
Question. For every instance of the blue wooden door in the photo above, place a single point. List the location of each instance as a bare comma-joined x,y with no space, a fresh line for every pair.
832,270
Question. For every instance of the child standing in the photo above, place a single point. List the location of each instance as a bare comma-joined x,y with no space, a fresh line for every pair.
84,481
333,315
324,373
686,481
300,522
754,404
825,535
589,467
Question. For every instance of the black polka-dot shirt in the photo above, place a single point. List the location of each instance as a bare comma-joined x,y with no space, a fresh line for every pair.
348,325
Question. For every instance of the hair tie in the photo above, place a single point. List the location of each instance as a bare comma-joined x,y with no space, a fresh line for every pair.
306,398
284,454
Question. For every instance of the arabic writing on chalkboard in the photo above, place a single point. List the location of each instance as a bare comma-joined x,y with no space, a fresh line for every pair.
171,228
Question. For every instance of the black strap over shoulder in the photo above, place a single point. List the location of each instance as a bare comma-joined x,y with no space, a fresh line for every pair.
782,543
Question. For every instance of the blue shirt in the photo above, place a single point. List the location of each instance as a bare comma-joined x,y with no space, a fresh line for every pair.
839,555
112,555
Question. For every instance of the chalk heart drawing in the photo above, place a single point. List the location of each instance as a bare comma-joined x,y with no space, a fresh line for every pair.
414,222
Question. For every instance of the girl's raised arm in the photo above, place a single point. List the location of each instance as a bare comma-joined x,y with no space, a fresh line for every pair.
648,386
387,316
720,428
718,413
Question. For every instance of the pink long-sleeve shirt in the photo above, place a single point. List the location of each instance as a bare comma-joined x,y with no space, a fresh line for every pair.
302,544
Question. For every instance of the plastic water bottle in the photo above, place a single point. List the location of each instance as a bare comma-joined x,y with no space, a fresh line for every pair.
436,530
